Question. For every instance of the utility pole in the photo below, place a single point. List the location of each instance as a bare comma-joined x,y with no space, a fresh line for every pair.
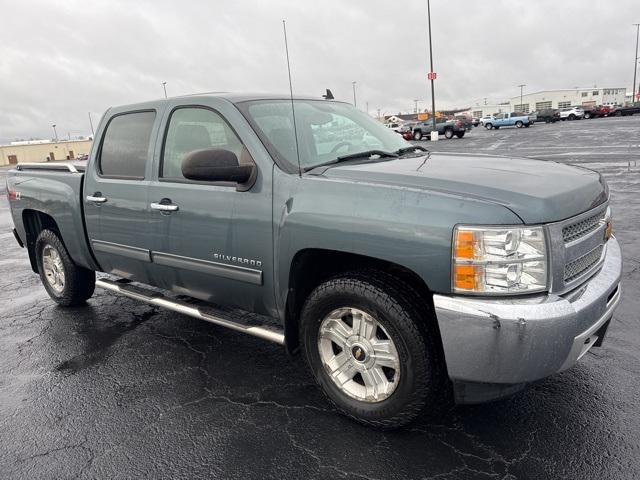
635,66
521,87
55,134
91,124
433,93
354,94
164,85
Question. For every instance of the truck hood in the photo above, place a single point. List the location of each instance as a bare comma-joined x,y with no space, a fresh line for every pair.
537,191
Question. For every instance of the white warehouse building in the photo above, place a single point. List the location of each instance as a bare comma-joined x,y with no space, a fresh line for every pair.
586,97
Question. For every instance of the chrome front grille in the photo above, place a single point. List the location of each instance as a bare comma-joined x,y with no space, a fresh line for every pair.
577,248
578,267
579,229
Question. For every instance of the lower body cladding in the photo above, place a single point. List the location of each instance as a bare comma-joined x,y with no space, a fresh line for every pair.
494,347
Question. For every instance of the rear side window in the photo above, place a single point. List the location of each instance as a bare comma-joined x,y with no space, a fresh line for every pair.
125,145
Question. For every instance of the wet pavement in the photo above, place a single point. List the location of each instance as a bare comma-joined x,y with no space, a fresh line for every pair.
118,389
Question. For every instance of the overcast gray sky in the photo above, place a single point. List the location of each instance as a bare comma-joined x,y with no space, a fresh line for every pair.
62,59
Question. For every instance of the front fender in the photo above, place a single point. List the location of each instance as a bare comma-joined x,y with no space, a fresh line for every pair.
409,227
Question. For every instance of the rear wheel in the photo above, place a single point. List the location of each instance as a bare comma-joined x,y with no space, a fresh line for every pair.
572,117
367,346
519,124
65,282
417,135
448,133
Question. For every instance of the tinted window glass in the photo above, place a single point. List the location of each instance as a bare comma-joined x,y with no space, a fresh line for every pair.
194,129
125,147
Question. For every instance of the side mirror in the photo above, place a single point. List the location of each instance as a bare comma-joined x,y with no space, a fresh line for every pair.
216,165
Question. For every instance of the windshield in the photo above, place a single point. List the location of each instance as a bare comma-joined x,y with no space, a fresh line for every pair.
326,131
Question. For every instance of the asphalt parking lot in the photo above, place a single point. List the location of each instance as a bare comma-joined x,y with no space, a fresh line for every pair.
119,389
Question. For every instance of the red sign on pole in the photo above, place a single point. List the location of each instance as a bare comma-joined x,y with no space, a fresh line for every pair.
432,76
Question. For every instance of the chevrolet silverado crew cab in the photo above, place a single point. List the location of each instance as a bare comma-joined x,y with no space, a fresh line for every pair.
404,277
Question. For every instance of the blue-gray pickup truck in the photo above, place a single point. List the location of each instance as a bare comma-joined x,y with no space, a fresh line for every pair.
404,278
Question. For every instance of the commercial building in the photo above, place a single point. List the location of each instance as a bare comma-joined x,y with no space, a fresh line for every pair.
586,97
43,150
479,111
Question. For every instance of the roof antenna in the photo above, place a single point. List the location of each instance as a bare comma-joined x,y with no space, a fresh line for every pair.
293,110
328,95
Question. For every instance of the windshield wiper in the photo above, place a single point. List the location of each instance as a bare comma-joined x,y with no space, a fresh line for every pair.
402,151
352,156
367,154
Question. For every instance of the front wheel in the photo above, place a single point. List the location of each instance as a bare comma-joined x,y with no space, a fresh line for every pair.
587,115
572,117
65,282
367,346
488,126
417,135
460,134
448,133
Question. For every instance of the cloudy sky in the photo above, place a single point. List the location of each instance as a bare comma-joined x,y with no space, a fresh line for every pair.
60,60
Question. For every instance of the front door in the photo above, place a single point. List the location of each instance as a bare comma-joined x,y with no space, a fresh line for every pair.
116,195
214,241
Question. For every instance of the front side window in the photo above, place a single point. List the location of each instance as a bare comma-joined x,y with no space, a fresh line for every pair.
326,130
125,145
195,128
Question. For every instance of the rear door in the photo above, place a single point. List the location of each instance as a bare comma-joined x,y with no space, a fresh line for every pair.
216,241
116,194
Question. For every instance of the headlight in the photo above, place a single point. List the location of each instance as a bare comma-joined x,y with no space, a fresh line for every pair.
499,260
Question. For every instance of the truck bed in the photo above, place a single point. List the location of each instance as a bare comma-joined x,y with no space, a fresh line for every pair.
51,193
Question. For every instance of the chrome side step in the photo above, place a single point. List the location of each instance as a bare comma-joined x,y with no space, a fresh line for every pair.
266,332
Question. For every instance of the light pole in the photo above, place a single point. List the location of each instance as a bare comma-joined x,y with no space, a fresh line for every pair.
521,87
91,124
433,92
635,66
164,86
354,94
55,134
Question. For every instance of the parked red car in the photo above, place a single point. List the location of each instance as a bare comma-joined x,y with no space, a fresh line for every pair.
595,112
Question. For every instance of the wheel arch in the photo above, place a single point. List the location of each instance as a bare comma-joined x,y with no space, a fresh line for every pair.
34,222
310,267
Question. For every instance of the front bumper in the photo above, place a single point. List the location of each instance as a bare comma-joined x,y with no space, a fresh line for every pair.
508,341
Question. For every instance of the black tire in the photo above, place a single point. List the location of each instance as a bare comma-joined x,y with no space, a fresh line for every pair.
547,120
587,115
572,117
460,134
394,304
527,125
79,283
519,124
496,127
488,126
417,135
448,133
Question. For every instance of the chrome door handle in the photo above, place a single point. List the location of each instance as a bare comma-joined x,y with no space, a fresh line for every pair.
91,198
164,207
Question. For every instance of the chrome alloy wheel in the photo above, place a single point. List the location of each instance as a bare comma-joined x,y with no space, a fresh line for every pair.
358,355
53,268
